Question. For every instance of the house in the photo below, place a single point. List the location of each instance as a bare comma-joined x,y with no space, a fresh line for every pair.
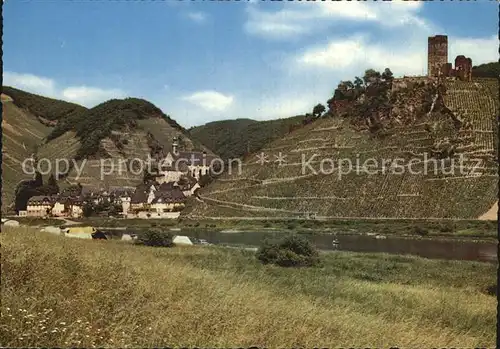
67,207
59,208
196,164
153,200
39,206
76,209
168,173
168,201
188,185
118,194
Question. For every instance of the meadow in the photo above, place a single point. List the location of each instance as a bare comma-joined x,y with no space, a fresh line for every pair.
69,292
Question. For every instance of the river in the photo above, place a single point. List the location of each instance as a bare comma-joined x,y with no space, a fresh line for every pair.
428,247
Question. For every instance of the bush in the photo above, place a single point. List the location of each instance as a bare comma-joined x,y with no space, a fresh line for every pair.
491,290
421,231
155,239
447,227
291,251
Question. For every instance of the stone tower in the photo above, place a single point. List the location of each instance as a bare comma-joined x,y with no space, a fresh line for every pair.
437,54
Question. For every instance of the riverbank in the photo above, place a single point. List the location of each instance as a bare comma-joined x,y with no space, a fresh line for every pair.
70,292
473,229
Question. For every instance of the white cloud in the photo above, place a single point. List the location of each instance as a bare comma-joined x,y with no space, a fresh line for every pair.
198,17
84,95
301,18
31,83
210,100
90,96
480,50
356,53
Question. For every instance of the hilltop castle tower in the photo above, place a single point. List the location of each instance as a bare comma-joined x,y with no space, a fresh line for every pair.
437,54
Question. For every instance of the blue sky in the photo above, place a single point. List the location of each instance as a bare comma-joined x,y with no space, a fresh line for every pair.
204,61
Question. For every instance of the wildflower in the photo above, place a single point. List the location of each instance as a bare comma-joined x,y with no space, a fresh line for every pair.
62,323
8,309
53,331
78,321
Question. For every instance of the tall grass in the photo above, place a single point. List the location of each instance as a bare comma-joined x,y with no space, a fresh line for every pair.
69,292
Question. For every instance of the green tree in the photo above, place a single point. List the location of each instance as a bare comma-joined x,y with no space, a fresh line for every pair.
88,209
358,83
318,110
371,77
205,180
155,239
38,179
291,251
387,75
52,185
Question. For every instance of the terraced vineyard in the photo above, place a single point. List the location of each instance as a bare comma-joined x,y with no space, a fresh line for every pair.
21,134
463,184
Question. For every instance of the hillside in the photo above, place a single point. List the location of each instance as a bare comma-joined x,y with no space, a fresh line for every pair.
22,133
44,108
487,70
114,132
413,121
232,139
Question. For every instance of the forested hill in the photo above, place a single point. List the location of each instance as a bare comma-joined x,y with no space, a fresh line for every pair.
487,70
46,108
234,138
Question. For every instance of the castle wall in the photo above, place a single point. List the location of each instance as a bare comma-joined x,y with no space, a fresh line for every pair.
463,67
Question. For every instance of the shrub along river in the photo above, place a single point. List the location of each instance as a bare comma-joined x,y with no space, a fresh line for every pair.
428,247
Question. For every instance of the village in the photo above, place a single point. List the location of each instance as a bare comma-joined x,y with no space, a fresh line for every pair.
161,195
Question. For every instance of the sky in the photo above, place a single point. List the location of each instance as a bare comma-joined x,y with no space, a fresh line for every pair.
201,61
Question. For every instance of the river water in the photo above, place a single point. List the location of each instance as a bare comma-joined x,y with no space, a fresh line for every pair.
438,248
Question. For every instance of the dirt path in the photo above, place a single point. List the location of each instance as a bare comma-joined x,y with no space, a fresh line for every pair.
492,213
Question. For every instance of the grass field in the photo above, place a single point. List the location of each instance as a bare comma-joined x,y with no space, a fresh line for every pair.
67,292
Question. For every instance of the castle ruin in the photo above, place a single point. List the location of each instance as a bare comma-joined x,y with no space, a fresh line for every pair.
437,60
